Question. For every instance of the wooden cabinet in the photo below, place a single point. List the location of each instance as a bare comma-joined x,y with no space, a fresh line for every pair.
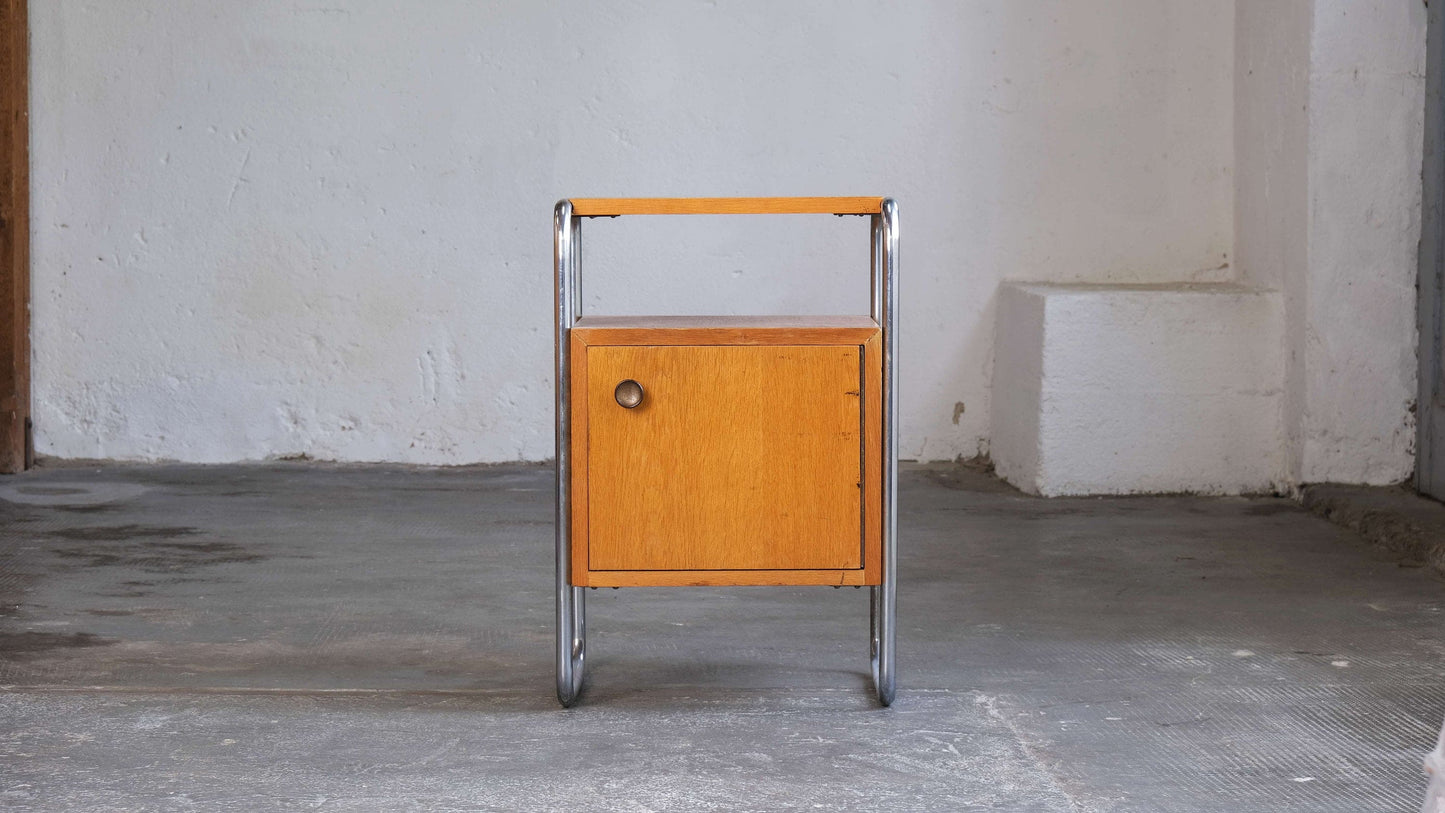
726,450
753,457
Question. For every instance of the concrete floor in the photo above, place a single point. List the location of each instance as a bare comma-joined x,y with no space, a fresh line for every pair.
1400,522
323,637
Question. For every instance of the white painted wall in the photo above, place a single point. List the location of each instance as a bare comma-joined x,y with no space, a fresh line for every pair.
269,228
1330,104
1271,214
1367,108
1303,372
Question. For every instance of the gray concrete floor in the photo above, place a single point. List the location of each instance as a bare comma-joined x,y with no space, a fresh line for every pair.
323,637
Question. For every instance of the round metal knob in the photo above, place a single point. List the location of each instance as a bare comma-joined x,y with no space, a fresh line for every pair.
628,394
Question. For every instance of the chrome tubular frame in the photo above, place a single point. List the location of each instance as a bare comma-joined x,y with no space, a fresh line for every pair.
571,604
571,609
883,598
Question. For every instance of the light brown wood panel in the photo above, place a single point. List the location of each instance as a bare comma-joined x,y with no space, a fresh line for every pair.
723,578
873,458
611,207
580,503
724,330
739,458
783,323
14,238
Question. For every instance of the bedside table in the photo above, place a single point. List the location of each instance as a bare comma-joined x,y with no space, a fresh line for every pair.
725,450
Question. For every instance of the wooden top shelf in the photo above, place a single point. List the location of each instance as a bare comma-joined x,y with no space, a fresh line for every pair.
750,322
612,207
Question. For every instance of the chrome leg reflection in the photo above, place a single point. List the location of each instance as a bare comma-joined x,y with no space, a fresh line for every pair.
885,596
571,605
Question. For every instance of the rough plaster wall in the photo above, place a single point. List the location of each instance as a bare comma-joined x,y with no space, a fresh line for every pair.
1018,380
1367,99
268,228
1329,127
1271,213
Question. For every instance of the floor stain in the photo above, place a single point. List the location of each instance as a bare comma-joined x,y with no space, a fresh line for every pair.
24,643
108,533
99,508
1269,509
155,556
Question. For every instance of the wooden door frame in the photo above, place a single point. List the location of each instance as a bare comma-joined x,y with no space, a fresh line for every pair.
15,442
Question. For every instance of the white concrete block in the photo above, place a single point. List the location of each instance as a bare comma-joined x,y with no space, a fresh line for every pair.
1113,389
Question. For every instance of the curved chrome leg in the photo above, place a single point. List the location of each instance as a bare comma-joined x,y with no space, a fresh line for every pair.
572,629
874,636
883,598
571,604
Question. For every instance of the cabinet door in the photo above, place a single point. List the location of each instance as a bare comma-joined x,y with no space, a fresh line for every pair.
737,458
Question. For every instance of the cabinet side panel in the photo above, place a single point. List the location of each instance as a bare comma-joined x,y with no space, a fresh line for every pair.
580,502
873,460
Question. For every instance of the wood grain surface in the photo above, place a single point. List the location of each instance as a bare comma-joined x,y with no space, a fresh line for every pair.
785,323
739,458
723,578
725,330
14,238
873,458
611,207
